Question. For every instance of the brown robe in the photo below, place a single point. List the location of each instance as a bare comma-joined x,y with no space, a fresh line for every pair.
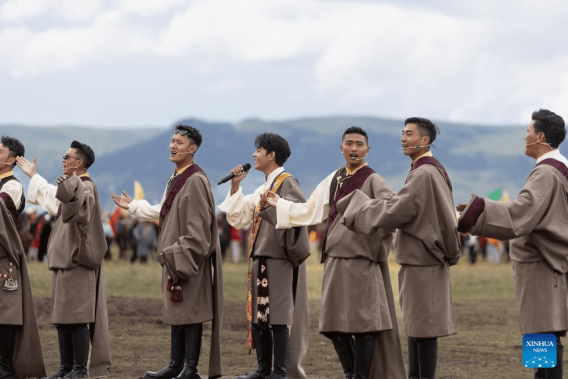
425,244
287,250
75,252
17,306
355,263
536,222
189,252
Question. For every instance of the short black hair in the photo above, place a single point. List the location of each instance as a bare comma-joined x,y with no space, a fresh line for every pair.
425,127
192,133
15,146
85,153
356,130
273,142
551,124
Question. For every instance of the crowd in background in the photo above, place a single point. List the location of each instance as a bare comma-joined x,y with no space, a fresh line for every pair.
136,240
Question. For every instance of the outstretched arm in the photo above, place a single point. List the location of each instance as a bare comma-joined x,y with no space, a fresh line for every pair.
40,192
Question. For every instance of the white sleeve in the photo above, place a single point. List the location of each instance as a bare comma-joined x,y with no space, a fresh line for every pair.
41,193
143,210
14,189
312,212
240,208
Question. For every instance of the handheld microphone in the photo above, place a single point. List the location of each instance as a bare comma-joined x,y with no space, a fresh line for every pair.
246,167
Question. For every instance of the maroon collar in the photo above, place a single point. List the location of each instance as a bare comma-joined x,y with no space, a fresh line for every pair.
354,183
433,161
176,187
557,165
83,178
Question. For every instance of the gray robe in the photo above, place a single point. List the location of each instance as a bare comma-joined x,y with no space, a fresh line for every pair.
425,244
188,249
286,250
17,306
75,252
537,223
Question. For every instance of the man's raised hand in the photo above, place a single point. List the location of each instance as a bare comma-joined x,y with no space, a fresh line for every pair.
122,201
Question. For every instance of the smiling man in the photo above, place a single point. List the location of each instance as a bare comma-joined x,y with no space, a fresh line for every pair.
363,329
425,244
75,253
536,225
189,252
277,286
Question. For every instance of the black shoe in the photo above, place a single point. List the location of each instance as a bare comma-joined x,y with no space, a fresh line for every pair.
81,341
193,336
177,356
263,342
345,349
281,345
65,340
413,367
427,357
7,339
364,344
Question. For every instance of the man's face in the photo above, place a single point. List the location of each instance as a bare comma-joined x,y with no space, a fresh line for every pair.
262,159
71,163
354,149
530,138
179,145
410,139
5,156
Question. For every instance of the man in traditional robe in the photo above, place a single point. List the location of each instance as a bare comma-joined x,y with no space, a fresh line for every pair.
277,286
189,252
363,329
536,223
20,349
426,243
75,252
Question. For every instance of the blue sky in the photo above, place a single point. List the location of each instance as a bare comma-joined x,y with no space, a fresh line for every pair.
148,63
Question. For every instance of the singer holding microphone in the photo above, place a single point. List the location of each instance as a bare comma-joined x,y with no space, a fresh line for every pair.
276,265
75,254
357,305
536,223
190,255
425,244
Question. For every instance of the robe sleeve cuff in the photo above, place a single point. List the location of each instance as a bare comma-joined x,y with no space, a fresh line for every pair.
133,207
283,214
350,211
67,190
470,214
230,201
33,188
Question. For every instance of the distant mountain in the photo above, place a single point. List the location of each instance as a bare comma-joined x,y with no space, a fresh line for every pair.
478,158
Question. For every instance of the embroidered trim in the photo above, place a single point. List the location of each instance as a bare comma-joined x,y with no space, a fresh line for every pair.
433,161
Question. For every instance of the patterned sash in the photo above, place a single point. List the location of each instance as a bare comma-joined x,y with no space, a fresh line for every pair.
433,161
262,301
353,183
83,178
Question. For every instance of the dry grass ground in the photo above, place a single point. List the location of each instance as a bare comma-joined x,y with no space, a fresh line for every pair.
488,343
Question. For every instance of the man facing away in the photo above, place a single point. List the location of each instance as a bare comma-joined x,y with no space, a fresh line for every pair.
425,244
277,287
20,349
189,252
536,223
75,252
363,329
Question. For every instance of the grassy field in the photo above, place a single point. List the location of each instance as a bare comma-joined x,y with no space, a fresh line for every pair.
488,343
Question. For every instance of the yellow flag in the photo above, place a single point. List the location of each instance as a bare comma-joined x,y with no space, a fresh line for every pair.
138,191
506,196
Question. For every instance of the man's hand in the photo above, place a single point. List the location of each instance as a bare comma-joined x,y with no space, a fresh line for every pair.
461,207
239,176
29,168
122,201
269,198
60,179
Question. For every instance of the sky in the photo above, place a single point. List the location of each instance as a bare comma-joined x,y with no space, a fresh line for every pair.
148,63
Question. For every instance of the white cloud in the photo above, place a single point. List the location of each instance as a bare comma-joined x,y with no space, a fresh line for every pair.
72,10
